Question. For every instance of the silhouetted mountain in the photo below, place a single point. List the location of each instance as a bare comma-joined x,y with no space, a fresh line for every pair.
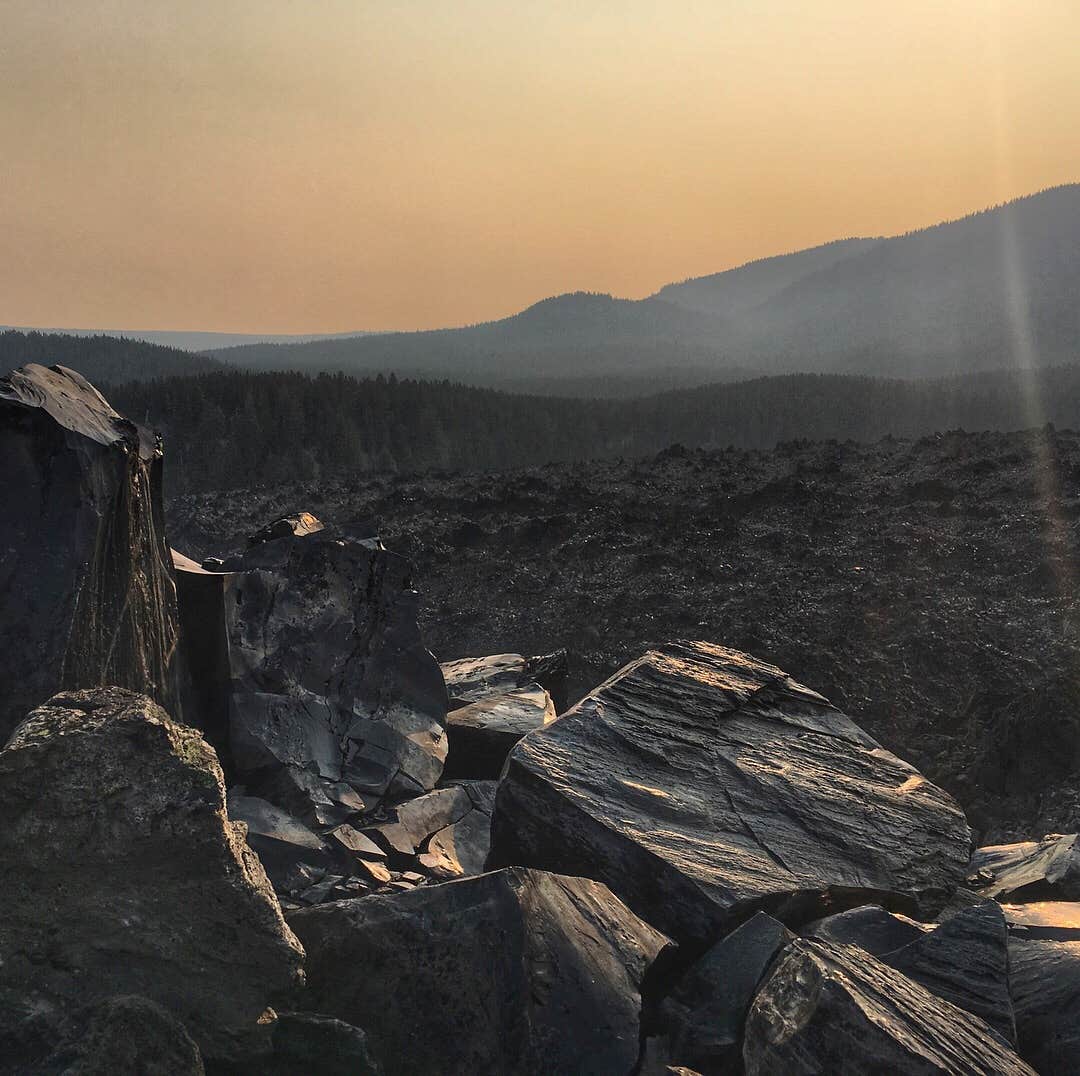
100,358
725,294
995,289
577,337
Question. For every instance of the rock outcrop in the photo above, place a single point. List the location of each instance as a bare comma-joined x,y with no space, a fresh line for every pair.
124,876
869,927
702,785
1029,871
336,704
510,972
88,593
836,1009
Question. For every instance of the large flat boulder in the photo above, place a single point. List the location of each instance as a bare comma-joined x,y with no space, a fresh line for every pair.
124,876
88,592
516,971
702,785
836,1009
1030,870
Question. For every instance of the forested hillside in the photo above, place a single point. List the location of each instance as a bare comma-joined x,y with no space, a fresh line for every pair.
100,358
239,429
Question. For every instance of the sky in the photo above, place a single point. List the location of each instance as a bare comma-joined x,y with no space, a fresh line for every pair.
297,166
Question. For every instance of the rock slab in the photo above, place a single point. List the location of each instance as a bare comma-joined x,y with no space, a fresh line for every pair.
1029,871
515,971
115,837
88,592
702,785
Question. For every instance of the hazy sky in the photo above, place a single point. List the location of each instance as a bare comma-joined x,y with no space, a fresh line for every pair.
325,165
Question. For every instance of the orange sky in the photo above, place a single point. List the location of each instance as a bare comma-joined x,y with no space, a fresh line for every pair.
291,166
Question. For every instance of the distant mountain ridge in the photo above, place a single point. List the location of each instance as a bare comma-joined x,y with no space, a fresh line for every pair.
189,340
992,290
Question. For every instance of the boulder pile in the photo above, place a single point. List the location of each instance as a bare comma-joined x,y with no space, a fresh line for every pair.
334,856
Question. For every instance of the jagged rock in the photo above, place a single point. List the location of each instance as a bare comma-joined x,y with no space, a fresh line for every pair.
1044,979
836,1009
281,841
480,735
123,875
702,785
336,703
205,676
512,972
306,1043
88,593
869,927
965,961
470,680
119,1036
704,1014
296,525
1029,871
1054,920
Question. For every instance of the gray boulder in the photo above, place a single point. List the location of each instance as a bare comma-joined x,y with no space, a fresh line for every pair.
480,735
836,1009
704,1014
307,1043
869,927
88,592
512,972
1029,871
470,680
336,703
124,876
965,961
1044,979
702,785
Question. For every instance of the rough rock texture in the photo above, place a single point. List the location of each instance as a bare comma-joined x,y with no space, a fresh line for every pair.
1030,871
336,702
306,1044
702,785
516,971
115,839
965,961
481,734
88,593
835,1009
119,1036
869,927
1044,978
704,1014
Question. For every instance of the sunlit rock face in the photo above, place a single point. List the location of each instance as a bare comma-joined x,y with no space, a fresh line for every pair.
1030,870
702,785
88,594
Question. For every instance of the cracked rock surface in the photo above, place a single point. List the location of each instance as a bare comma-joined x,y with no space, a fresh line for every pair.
702,785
